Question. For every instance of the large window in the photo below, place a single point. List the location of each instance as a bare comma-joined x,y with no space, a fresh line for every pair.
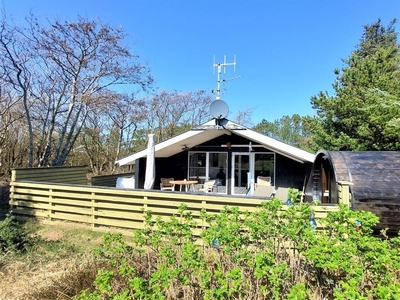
208,165
264,165
197,165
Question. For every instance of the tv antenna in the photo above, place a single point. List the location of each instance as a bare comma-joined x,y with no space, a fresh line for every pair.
221,66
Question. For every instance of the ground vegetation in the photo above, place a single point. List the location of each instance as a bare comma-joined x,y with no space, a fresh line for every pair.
266,254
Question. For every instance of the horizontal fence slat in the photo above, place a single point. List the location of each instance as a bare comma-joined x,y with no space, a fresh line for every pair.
23,201
118,223
71,217
31,205
100,206
70,209
28,198
21,211
119,215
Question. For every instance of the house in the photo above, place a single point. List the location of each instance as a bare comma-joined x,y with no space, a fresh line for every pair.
237,153
374,178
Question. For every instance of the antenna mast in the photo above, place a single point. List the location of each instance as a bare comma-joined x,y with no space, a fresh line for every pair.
219,71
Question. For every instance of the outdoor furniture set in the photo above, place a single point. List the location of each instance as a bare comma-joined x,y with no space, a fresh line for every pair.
168,184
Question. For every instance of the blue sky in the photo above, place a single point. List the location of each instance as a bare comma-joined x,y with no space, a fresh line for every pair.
286,51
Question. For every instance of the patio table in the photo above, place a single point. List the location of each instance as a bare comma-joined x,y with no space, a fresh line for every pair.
189,184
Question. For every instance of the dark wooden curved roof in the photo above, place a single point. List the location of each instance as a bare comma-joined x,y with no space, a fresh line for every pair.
375,174
375,178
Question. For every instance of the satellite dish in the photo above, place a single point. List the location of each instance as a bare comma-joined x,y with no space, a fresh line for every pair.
219,109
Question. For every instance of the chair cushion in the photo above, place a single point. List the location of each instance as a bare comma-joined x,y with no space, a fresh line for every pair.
166,182
264,180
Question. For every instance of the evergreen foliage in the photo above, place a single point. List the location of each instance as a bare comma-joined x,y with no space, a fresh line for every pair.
291,130
364,113
13,237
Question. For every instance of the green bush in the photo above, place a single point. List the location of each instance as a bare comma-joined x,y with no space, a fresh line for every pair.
13,237
272,253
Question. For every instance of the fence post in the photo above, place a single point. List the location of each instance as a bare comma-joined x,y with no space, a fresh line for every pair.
50,210
13,176
203,206
93,210
344,195
144,211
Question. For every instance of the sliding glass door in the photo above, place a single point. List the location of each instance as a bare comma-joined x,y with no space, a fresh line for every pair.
244,169
247,167
241,168
217,170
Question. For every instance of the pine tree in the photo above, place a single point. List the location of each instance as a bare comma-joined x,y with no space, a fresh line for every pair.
364,113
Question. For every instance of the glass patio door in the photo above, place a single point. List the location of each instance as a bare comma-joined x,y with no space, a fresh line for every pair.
240,169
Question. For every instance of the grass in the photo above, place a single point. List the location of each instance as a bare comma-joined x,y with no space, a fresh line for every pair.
59,266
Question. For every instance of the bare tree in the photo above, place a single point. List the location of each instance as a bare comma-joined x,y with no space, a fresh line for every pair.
109,128
13,135
171,113
127,114
243,117
7,117
74,64
17,65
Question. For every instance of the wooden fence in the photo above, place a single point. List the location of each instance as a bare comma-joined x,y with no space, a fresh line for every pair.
111,207
109,180
71,175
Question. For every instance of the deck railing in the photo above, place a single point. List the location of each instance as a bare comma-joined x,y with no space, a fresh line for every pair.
124,209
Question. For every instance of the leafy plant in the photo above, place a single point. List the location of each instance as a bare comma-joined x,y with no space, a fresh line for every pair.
13,237
271,253
294,195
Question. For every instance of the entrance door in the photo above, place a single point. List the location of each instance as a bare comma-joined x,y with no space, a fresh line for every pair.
240,168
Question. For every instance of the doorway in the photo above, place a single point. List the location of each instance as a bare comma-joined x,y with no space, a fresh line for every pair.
240,170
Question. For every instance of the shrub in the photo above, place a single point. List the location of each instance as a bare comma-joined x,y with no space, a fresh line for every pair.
13,237
272,253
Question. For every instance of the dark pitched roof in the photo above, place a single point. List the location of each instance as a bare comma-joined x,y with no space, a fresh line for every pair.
208,131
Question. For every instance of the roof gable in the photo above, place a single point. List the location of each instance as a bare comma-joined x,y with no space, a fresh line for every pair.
213,129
